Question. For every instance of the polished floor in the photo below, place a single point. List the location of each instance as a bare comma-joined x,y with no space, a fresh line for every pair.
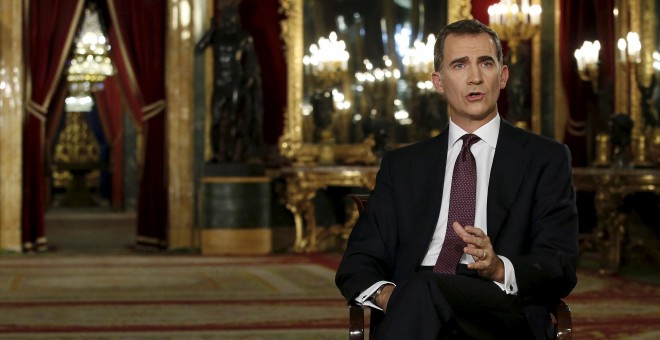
91,230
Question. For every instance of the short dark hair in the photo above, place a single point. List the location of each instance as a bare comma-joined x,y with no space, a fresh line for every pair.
470,27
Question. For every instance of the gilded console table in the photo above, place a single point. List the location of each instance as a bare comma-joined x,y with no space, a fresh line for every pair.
611,186
302,184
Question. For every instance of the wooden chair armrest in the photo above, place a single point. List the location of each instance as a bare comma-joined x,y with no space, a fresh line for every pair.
356,321
564,327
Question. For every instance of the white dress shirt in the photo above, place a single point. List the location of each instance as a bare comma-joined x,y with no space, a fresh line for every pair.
484,152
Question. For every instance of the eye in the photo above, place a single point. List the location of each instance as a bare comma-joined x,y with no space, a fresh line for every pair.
488,63
458,66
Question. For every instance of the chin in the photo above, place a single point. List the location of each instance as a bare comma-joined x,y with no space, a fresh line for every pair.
481,115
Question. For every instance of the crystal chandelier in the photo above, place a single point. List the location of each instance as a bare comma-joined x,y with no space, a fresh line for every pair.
515,21
90,63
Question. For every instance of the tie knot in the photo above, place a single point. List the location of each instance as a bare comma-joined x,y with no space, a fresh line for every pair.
469,139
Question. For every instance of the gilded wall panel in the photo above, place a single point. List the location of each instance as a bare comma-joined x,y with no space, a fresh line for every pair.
180,118
11,123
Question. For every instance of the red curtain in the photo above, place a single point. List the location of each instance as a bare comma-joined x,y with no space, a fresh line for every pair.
56,114
605,27
261,18
54,118
51,26
137,34
109,104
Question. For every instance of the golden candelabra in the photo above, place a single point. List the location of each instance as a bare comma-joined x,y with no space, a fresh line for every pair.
76,159
629,58
377,88
603,150
328,60
515,21
326,66
418,63
587,62
76,145
630,50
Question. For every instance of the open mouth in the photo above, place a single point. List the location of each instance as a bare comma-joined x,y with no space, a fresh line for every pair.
475,96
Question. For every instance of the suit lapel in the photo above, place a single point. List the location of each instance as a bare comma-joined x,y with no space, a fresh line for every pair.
428,188
505,179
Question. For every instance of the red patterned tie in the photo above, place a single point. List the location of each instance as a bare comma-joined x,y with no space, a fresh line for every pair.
462,203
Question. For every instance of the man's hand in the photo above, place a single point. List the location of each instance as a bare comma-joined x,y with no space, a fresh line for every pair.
486,262
384,297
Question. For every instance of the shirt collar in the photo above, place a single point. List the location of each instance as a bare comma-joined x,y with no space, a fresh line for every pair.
488,132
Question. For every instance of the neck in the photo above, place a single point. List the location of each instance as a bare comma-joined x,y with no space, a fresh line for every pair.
471,125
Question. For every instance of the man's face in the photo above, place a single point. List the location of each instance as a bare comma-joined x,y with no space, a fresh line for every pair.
471,79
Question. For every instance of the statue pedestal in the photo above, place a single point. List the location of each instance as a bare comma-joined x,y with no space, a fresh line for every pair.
235,210
233,170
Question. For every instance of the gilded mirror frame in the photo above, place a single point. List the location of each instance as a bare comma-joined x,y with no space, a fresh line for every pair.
292,146
632,13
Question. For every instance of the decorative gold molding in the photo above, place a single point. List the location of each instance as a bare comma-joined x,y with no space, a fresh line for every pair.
224,179
12,73
628,96
301,188
648,39
208,83
292,35
611,186
458,10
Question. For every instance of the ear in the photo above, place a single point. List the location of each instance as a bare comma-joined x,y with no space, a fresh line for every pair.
504,76
436,78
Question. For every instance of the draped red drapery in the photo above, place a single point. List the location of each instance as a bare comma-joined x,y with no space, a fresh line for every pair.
108,102
50,26
137,35
261,18
54,118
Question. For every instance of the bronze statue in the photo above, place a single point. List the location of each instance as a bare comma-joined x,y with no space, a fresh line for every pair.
621,126
236,109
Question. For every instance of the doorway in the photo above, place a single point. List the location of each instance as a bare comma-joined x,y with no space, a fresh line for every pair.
90,200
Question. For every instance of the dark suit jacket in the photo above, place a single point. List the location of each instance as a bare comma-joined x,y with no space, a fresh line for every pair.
532,218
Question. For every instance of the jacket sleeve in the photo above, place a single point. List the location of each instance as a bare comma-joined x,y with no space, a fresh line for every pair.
369,254
548,270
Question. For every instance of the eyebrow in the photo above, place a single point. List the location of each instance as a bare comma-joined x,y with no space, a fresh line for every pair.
463,60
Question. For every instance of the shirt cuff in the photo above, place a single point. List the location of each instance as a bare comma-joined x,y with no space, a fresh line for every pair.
510,286
365,297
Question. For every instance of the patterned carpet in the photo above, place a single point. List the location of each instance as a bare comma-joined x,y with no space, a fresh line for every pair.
54,296
610,307
94,284
287,297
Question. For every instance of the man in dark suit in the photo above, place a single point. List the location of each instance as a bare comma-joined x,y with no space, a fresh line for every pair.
519,250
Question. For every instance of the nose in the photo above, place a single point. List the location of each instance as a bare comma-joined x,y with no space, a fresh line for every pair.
475,76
